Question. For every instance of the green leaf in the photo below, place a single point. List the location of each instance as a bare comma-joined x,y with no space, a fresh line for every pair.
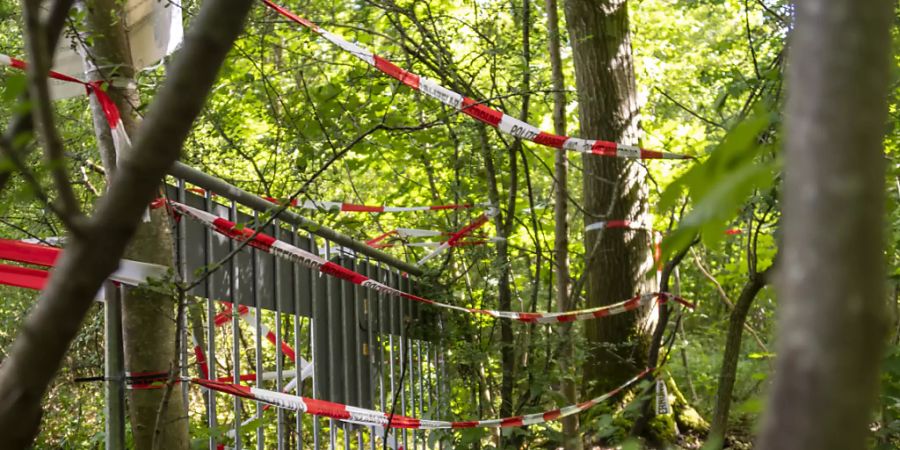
14,86
469,436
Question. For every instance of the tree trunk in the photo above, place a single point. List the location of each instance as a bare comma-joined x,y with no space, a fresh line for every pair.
148,323
94,253
732,353
832,281
641,425
504,291
572,437
616,265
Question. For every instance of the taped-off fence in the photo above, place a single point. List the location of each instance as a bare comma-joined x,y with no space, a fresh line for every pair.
353,350
369,347
358,341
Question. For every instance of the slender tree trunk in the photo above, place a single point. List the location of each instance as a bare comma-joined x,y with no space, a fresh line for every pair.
832,282
642,424
561,228
504,291
607,108
148,322
732,353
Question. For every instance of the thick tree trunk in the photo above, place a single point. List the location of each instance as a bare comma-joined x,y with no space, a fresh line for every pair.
832,281
618,264
732,352
561,229
147,316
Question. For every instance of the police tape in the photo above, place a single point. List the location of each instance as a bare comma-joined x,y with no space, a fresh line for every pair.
121,141
476,109
369,417
297,255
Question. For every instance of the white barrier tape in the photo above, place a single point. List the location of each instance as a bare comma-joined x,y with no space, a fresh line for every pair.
478,110
287,251
370,417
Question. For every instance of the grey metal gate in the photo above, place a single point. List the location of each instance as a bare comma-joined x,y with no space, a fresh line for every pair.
365,348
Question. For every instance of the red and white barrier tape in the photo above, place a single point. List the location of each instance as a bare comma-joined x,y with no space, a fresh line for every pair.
353,207
617,224
249,317
637,225
405,233
121,141
433,244
455,238
415,233
478,110
132,273
370,417
289,252
23,277
200,355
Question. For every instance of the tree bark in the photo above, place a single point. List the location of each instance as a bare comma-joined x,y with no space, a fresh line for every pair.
832,282
147,315
607,108
572,438
92,255
642,424
732,353
504,291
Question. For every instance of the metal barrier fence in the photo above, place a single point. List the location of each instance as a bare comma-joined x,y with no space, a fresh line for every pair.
366,349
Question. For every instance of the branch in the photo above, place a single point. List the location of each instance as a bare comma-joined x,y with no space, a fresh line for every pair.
727,301
688,110
89,259
22,123
40,54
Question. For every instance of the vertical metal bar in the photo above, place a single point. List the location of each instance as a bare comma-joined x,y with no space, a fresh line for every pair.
115,368
428,363
392,319
429,377
420,370
378,343
389,279
371,309
313,342
295,279
330,318
379,297
404,305
348,353
181,260
279,385
254,285
445,391
412,374
235,333
212,417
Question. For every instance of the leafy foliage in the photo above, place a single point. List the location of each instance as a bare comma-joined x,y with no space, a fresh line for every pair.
709,75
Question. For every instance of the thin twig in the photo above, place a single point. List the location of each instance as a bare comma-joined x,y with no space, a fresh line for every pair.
688,110
726,300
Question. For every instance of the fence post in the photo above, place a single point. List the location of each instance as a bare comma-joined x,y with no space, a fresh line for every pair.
115,369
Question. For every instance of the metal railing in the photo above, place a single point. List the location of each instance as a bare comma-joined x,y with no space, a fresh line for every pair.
366,349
